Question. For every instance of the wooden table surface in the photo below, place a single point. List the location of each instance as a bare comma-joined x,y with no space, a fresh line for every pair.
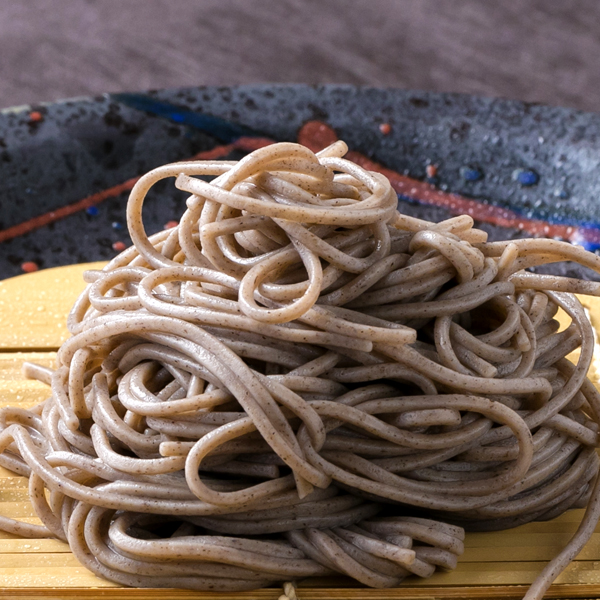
536,50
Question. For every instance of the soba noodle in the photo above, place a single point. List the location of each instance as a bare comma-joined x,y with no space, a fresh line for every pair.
298,381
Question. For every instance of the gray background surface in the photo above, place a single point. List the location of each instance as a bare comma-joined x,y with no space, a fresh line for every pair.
536,50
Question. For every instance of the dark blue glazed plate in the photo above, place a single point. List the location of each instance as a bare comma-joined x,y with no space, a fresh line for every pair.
66,168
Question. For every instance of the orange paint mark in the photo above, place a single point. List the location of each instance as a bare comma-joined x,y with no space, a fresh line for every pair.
29,267
246,144
316,135
431,171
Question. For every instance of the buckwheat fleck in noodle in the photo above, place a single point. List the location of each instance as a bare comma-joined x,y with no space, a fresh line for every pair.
260,394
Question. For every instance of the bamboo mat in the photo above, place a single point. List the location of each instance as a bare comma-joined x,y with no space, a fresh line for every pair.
33,311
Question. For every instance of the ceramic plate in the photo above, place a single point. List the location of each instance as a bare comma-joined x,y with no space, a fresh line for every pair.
66,168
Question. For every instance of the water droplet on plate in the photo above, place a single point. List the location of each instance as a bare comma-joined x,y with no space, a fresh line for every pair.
471,173
525,177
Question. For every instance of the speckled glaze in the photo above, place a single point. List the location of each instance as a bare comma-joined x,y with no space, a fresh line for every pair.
539,163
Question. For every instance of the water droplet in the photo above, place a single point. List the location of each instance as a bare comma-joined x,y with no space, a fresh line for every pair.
471,173
525,177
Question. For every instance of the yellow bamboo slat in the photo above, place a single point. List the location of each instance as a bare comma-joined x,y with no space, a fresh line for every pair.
592,307
17,510
8,480
42,576
478,573
33,311
24,546
566,592
33,307
13,494
11,363
15,390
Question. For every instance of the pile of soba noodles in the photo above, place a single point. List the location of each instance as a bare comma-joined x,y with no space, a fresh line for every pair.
299,381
